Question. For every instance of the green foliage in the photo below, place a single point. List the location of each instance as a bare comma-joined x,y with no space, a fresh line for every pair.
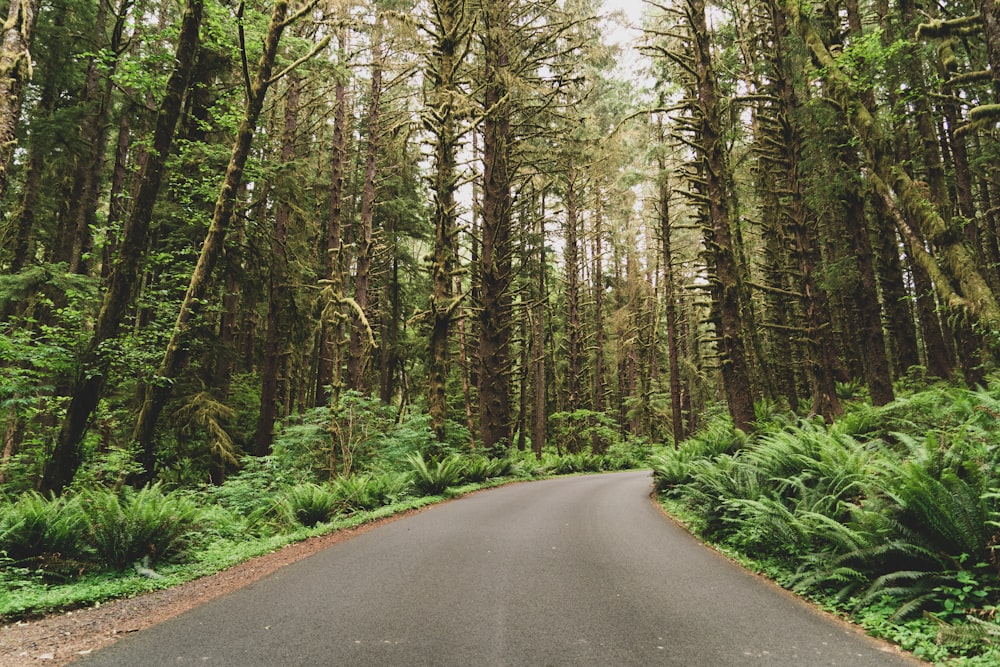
481,468
329,442
433,477
311,503
254,494
366,492
892,506
571,463
39,529
137,524
580,429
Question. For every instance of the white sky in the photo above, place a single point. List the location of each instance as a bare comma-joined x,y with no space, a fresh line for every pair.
627,35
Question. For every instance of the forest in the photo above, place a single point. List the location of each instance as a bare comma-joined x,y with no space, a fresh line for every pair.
295,259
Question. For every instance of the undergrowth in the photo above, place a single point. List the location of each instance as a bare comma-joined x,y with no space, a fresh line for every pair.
333,470
889,516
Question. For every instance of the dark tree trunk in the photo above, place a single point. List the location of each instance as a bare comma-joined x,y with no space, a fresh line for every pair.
821,358
574,323
538,415
389,360
598,390
358,355
274,369
726,290
670,305
328,374
495,259
82,215
176,352
89,383
441,119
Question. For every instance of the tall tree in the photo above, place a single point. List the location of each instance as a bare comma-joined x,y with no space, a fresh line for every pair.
446,107
328,374
15,72
362,336
276,356
176,351
89,383
496,252
713,194
957,279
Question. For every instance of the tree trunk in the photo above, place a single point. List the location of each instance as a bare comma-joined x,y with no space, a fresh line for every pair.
957,264
574,323
82,214
176,352
274,370
358,353
495,260
441,119
598,395
725,289
15,71
537,314
670,305
328,380
88,386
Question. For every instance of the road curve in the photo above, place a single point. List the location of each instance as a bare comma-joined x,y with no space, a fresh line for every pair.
569,571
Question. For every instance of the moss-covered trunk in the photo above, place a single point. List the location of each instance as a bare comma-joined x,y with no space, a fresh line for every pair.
89,383
176,351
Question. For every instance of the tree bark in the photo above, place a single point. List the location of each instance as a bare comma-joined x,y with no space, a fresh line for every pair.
725,289
15,72
495,260
574,323
358,354
441,118
598,380
177,347
89,383
328,380
274,369
670,305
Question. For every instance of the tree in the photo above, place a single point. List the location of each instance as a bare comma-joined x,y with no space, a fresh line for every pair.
496,251
175,354
88,385
444,111
15,71
711,185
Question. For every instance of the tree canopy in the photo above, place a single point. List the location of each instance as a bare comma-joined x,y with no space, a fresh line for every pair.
217,217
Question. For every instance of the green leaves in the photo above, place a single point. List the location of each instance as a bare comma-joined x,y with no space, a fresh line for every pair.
433,477
137,525
893,503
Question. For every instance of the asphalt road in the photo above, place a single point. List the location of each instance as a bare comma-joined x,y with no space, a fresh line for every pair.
570,571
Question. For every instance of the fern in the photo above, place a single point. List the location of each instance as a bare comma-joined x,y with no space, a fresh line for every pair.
312,504
35,526
434,477
480,468
137,525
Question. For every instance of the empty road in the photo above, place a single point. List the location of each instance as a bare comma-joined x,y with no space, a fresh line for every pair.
569,571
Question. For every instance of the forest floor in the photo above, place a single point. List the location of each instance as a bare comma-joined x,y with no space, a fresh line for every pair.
61,638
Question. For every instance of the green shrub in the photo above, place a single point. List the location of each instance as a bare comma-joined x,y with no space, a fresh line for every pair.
34,526
583,429
390,487
137,525
365,492
311,503
480,468
254,492
432,478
